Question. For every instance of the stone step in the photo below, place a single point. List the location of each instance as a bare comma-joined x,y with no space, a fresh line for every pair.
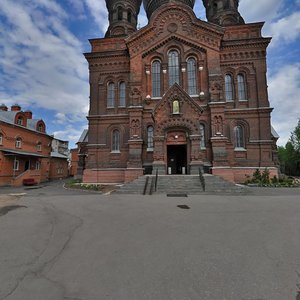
189,184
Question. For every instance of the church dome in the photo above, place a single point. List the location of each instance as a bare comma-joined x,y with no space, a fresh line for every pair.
152,5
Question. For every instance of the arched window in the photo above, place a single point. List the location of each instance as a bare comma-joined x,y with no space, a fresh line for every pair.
111,95
129,16
191,72
120,13
176,108
173,59
241,87
1,139
18,143
20,120
156,81
122,94
239,137
39,146
228,87
115,147
150,131
202,136
215,7
40,127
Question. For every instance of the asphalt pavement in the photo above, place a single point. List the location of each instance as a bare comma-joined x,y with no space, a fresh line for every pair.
70,244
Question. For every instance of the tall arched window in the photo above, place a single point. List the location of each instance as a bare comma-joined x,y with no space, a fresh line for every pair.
18,143
228,87
115,147
111,94
122,94
173,59
129,16
202,136
120,13
150,137
156,80
191,72
239,137
241,87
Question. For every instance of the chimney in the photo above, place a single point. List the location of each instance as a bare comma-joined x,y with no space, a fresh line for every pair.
28,114
15,107
3,107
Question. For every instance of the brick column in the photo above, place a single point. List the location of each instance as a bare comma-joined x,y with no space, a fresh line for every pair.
159,162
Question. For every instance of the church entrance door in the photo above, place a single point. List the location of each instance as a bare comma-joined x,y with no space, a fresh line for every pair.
177,159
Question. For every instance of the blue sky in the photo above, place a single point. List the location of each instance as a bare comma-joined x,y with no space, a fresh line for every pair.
42,67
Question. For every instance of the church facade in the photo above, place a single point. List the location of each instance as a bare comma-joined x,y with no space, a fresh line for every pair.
178,94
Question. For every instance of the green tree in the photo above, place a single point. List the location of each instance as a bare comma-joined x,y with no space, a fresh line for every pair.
289,156
295,137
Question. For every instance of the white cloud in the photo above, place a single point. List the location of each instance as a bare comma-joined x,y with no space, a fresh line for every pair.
70,133
284,94
98,10
41,60
264,10
286,29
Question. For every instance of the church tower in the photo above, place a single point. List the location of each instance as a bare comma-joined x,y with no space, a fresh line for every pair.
223,12
178,95
122,15
152,5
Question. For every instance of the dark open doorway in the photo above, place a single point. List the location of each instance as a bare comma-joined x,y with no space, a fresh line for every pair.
177,159
27,165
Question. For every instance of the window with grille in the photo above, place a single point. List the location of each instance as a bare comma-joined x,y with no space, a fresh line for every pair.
150,131
116,141
111,95
173,66
122,94
239,137
241,87
156,78
228,87
202,136
191,72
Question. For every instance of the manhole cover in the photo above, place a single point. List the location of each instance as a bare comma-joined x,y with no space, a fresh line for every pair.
183,206
177,195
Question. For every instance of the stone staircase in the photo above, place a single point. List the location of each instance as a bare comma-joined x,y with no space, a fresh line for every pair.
180,184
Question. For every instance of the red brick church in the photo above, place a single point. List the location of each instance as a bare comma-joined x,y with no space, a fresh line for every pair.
178,94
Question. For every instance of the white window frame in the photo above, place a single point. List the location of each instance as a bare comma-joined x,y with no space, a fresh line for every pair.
203,137
18,143
150,134
37,165
239,138
115,142
16,165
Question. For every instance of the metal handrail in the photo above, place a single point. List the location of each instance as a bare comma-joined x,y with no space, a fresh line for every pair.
156,179
202,180
146,185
